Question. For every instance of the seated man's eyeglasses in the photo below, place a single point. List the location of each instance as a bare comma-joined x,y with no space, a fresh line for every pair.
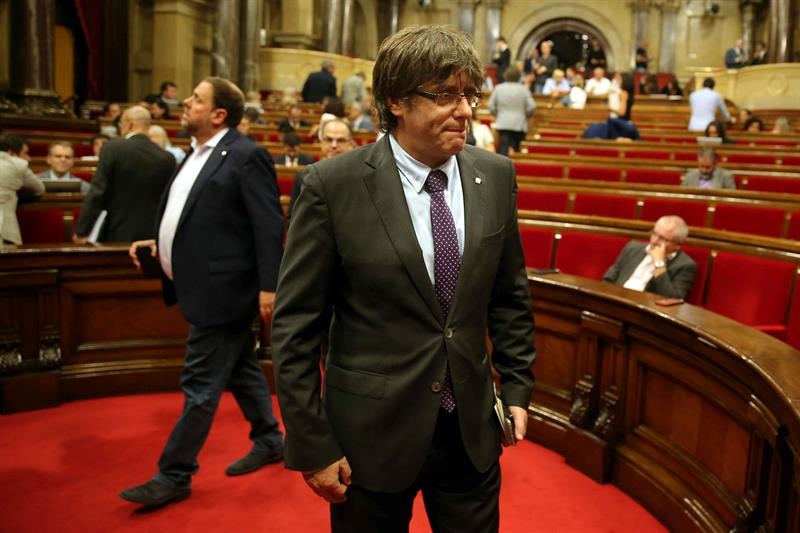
451,99
661,238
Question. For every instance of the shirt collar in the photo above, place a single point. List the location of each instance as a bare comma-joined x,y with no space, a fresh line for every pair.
211,143
414,172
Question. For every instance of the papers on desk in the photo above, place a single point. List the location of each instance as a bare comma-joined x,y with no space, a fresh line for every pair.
98,225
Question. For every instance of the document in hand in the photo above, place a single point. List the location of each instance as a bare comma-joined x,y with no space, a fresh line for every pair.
505,420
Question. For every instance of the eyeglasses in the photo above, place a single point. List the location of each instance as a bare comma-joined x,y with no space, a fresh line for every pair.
340,140
661,238
451,99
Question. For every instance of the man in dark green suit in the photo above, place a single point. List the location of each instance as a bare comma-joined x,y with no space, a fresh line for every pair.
405,400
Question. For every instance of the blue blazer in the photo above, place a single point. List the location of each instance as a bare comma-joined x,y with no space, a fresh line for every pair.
228,243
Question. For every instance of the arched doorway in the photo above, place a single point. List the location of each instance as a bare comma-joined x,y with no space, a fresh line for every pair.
571,41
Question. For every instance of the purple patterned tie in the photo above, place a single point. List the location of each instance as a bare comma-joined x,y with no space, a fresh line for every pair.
446,261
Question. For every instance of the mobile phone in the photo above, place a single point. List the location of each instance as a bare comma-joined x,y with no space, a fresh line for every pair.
151,268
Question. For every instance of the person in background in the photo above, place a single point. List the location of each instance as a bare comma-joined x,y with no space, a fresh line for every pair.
529,67
159,136
734,56
658,266
648,84
168,93
754,125
512,105
294,120
705,103
577,95
708,175
501,58
672,87
781,126
128,183
743,116
402,257
320,84
759,54
556,87
331,108
641,59
358,119
98,140
219,247
354,89
61,158
253,103
292,156
111,112
16,181
596,57
621,97
337,138
598,85
481,134
159,110
717,129
548,62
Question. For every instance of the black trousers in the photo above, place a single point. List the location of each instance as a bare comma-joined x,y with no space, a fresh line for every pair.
458,498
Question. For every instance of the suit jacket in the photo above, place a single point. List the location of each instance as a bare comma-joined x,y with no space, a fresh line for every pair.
227,244
502,60
284,126
734,58
720,179
302,159
676,283
353,254
318,85
128,184
511,104
14,176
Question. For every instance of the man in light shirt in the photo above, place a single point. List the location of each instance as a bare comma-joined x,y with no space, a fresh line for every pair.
598,84
658,266
708,175
704,104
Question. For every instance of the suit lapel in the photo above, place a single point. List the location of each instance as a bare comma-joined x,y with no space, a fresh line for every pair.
475,205
217,157
383,183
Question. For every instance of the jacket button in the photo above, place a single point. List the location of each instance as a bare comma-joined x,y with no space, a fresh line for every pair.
436,386
448,333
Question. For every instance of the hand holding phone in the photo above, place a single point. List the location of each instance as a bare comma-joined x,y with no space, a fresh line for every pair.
149,265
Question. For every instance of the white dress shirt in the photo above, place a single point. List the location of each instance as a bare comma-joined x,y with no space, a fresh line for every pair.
178,194
413,176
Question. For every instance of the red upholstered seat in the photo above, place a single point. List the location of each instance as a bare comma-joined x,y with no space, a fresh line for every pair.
551,201
653,175
793,324
285,184
525,168
685,156
786,159
81,150
744,157
793,232
597,151
85,175
587,254
692,212
41,225
549,149
753,290
773,184
595,173
537,244
701,257
766,221
605,205
646,154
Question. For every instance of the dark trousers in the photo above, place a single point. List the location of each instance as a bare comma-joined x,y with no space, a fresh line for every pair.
509,139
458,498
217,358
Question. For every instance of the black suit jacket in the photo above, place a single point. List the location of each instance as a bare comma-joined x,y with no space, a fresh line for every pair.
676,283
318,85
130,179
353,254
302,159
227,243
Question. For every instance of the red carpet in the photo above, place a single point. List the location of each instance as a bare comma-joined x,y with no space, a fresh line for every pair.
61,470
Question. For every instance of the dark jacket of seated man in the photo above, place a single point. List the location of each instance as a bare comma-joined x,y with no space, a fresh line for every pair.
659,266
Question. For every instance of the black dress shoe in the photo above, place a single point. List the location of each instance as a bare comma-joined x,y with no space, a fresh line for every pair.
155,493
253,461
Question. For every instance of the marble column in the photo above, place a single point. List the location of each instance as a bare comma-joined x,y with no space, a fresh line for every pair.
297,26
348,35
466,16
333,35
782,24
248,47
225,55
669,18
389,18
748,13
494,19
32,70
